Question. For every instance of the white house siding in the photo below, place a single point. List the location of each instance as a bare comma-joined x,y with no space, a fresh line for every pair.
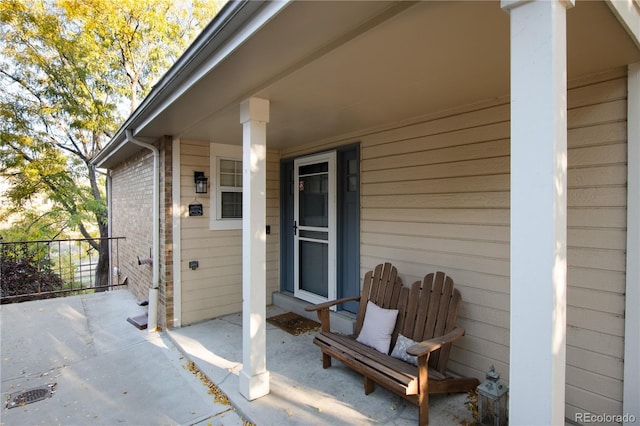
435,196
597,199
273,221
215,288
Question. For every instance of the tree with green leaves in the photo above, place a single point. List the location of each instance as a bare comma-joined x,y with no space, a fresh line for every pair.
70,72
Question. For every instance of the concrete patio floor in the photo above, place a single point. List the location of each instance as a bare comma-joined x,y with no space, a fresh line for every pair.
302,392
109,372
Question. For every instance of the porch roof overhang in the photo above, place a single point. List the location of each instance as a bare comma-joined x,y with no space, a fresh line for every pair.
332,68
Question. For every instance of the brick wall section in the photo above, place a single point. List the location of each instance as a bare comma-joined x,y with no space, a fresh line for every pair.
131,217
165,308
132,214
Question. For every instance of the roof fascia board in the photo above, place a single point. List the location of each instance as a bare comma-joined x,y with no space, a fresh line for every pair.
105,154
628,13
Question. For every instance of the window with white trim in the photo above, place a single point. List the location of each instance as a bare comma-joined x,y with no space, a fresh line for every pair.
226,170
229,189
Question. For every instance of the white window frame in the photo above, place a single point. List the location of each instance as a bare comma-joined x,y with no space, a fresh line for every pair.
225,152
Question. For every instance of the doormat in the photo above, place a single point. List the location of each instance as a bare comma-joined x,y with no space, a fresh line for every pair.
293,323
18,399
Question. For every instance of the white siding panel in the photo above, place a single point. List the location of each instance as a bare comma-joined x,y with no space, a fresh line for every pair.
597,160
598,363
598,321
598,135
578,397
599,238
499,165
273,220
482,133
601,113
477,118
596,279
497,182
595,341
596,300
442,155
486,217
494,334
610,90
480,200
611,260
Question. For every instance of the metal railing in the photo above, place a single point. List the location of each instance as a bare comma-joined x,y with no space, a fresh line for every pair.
43,269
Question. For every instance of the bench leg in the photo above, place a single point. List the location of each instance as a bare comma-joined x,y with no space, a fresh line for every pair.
326,361
369,385
423,409
423,391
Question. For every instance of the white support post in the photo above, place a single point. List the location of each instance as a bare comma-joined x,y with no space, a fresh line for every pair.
538,211
631,395
254,377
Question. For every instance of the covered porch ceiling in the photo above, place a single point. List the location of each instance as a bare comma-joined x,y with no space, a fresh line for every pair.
332,68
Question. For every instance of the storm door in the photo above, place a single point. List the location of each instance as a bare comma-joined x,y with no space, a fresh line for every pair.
315,227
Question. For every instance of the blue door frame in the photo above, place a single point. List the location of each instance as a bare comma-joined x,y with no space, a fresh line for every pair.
348,224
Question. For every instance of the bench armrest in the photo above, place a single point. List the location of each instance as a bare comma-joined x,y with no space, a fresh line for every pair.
427,346
330,303
322,309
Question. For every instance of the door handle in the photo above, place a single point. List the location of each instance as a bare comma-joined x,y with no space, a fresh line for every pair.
295,228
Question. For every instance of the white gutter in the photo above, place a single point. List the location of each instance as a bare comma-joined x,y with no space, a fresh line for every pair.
114,270
152,320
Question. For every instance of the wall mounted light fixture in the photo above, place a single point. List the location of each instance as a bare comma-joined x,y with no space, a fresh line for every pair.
201,182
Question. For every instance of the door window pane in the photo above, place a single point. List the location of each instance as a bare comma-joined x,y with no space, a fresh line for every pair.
314,275
314,201
314,235
313,169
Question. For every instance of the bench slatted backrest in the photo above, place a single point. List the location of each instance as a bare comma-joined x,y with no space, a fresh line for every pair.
429,308
381,286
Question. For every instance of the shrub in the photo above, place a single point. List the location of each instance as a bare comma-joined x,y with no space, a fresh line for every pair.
23,277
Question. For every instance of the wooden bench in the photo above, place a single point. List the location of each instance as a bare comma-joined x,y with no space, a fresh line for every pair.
427,313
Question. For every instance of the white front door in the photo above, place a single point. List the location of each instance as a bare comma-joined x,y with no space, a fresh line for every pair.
315,227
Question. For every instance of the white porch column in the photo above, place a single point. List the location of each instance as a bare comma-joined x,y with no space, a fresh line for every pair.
538,211
631,396
254,377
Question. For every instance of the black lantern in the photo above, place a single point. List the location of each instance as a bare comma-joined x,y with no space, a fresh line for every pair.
492,400
201,182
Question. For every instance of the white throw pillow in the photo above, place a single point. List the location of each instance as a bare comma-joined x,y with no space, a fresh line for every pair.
400,350
377,328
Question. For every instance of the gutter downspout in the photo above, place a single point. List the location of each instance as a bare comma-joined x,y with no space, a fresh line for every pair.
114,271
152,320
